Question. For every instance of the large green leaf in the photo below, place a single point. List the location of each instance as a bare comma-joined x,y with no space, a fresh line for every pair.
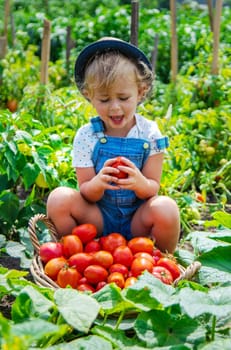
160,328
9,206
216,302
79,310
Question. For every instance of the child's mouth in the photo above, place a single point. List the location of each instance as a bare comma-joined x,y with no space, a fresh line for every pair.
117,119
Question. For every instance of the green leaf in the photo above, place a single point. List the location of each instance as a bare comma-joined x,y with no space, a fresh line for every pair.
222,235
78,310
223,218
91,342
218,258
219,344
216,302
30,303
202,242
149,293
9,206
159,328
209,275
14,249
35,329
30,173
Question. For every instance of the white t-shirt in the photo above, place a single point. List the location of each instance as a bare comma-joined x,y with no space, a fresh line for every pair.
85,140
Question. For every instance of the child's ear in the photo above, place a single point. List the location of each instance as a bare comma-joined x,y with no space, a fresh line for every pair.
142,90
86,94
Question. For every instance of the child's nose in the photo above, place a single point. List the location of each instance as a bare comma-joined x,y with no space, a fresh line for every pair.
114,105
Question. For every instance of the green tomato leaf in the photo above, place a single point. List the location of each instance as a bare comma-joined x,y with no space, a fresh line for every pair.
218,258
78,310
30,173
159,328
216,302
223,218
209,275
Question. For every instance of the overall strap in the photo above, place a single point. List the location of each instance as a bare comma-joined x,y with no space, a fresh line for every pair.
162,143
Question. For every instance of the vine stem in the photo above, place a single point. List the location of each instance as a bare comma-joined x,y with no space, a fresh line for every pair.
214,321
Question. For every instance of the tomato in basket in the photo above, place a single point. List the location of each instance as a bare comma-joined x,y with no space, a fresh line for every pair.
86,232
162,274
50,250
170,265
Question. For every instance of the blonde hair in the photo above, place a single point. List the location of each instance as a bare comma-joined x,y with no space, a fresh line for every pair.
103,69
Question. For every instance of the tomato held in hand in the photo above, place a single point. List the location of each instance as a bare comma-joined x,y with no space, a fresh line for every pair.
86,232
162,274
121,174
171,265
50,250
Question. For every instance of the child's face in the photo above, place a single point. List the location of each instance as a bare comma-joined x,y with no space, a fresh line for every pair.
116,105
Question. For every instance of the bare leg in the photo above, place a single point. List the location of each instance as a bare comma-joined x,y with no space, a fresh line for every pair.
158,217
66,208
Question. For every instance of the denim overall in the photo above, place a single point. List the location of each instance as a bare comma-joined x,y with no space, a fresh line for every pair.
118,206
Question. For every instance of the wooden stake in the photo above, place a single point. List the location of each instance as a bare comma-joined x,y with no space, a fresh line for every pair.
134,22
210,10
174,45
154,53
216,37
45,52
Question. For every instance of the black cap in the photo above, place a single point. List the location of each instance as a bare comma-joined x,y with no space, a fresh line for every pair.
105,45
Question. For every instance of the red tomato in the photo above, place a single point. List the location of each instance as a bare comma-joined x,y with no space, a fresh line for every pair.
123,255
92,246
71,245
112,241
50,250
117,278
141,244
199,197
145,255
86,232
162,274
95,274
156,254
53,267
68,276
130,281
85,287
171,266
121,174
100,285
102,258
80,261
12,105
139,265
119,268
82,280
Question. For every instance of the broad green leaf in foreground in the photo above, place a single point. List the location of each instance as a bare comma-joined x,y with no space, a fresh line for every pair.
79,310
218,258
159,328
149,293
202,242
209,275
91,342
30,303
216,302
224,344
111,299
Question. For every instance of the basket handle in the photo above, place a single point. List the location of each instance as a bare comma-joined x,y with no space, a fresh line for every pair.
189,272
32,230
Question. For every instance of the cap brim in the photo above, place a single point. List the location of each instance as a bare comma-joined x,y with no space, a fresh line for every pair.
91,50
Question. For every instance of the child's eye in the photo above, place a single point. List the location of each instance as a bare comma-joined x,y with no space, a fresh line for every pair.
124,98
104,100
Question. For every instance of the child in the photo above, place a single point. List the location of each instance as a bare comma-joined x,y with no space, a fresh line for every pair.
115,77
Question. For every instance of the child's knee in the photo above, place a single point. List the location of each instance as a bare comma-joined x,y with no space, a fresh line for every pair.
167,208
60,196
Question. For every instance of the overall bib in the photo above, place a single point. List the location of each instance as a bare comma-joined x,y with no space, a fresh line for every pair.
118,206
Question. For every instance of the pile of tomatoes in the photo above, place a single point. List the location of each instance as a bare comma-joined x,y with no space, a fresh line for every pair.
85,263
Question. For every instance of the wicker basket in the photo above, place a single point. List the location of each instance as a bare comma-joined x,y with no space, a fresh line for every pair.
37,269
